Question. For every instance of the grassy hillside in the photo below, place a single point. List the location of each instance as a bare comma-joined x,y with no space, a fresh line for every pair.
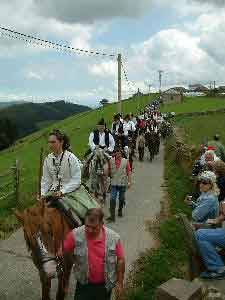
202,128
195,104
78,127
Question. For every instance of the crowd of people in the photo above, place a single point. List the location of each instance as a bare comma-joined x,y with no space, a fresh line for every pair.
208,206
98,250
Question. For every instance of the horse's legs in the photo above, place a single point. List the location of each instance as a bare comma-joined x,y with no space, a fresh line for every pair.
63,279
46,286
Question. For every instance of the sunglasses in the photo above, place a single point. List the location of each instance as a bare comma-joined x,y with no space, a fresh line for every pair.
205,182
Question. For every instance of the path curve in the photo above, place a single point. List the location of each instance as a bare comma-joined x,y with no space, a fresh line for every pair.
18,276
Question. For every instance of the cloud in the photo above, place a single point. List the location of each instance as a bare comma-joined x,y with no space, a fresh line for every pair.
219,3
33,75
179,54
210,28
88,11
104,69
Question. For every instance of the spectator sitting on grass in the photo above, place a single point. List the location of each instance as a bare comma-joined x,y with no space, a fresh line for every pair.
208,241
219,170
207,158
218,147
207,205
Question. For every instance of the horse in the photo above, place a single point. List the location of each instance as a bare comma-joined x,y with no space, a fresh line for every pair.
97,171
45,229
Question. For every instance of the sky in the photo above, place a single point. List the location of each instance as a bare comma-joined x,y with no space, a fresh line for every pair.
183,38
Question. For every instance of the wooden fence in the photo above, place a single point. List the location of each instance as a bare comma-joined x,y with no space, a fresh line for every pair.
10,185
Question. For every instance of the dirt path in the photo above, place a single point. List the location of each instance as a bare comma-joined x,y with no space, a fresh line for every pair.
19,278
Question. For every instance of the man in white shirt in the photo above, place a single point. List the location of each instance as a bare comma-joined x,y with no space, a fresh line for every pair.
101,137
117,126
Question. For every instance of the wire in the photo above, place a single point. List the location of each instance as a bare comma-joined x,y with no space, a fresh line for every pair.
32,39
129,83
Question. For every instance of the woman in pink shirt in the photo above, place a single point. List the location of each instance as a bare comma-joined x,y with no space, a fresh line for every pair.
99,258
120,181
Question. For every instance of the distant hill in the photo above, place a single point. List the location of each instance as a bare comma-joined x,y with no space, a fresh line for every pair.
29,117
10,103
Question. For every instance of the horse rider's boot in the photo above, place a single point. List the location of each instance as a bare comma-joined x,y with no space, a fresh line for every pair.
112,210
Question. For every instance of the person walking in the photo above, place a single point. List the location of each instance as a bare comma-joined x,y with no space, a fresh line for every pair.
120,181
99,258
141,145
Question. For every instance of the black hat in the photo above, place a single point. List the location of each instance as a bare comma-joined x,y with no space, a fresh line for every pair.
101,122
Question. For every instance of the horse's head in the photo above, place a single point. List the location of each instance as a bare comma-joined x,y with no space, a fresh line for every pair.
30,219
53,229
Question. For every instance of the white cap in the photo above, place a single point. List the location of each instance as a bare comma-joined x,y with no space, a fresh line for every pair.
208,175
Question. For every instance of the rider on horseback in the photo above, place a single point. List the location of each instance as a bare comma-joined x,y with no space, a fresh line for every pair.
101,138
61,180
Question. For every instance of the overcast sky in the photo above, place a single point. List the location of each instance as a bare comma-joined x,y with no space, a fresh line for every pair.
184,38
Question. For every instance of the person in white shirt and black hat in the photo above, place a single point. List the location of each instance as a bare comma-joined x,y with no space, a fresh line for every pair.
102,138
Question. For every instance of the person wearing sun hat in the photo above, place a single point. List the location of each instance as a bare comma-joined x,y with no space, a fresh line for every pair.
207,205
209,240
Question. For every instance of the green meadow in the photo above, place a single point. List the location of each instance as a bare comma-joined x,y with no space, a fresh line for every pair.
195,104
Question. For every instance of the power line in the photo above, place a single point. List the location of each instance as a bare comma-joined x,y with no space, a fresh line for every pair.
130,84
32,39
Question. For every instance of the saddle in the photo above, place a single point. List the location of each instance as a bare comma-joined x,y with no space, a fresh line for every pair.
57,203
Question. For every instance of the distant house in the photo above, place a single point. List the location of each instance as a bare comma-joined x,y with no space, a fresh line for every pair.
172,96
198,88
221,89
180,89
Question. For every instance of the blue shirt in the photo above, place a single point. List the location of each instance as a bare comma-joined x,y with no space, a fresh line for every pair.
206,207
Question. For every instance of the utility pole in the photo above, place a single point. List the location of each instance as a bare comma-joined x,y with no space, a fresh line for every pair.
214,84
210,85
160,80
149,88
119,59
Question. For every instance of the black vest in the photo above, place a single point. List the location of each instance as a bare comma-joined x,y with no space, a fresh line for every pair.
96,138
120,128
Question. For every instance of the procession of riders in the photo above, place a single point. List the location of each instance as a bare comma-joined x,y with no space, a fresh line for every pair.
65,228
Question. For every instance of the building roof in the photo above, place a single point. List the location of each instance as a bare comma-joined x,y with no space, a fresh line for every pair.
172,91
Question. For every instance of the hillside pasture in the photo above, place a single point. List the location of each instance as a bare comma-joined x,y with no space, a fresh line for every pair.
195,104
202,128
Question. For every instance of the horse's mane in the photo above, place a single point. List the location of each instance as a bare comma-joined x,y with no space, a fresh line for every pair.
47,222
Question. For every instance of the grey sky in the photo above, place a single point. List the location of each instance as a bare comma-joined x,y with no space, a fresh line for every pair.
88,11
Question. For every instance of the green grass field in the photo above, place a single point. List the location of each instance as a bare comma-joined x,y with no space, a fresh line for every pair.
27,150
202,128
195,104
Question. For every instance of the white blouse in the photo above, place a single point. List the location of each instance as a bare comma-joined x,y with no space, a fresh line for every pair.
69,173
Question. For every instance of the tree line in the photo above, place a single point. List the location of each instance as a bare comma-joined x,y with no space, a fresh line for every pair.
8,133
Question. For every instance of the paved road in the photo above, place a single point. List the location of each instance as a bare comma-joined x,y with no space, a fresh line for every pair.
19,278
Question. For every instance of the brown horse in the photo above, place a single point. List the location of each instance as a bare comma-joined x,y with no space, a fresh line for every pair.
44,231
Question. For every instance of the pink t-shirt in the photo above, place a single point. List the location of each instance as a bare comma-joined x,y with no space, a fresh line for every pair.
118,163
96,255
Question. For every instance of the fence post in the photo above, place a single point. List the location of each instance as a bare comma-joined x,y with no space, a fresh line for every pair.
40,171
17,181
